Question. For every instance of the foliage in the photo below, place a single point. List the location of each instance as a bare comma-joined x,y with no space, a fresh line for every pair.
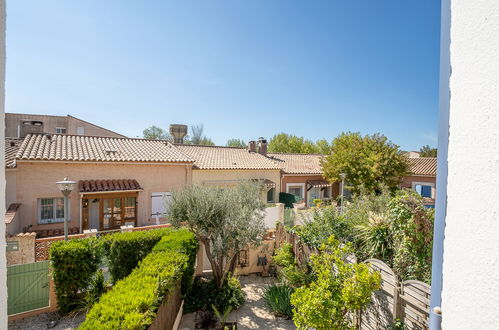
413,236
222,317
289,271
97,288
288,143
197,137
125,250
205,293
322,223
427,151
278,298
133,301
224,219
239,143
370,161
340,288
74,263
156,133
375,237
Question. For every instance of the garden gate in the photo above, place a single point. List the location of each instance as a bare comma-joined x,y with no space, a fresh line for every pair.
28,287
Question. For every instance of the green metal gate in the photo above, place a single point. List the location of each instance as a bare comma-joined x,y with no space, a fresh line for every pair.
28,287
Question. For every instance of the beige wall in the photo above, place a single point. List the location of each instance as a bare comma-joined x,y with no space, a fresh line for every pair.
408,180
10,186
37,180
12,121
221,176
303,179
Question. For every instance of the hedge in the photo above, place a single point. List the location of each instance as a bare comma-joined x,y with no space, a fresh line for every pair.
124,250
74,263
133,301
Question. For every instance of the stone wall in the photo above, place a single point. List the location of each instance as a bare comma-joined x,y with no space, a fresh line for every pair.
25,252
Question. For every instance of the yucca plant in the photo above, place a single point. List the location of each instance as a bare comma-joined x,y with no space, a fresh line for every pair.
375,237
278,299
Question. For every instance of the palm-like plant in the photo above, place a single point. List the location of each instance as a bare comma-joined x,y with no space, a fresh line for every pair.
375,237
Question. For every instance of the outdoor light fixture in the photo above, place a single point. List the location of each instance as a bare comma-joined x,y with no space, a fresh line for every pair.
342,177
66,186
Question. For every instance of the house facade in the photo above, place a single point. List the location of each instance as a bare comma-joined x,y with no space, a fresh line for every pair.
19,125
423,178
119,181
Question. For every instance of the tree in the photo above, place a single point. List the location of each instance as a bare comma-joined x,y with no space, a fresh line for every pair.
427,151
283,142
197,136
238,143
370,162
156,133
340,288
323,147
224,219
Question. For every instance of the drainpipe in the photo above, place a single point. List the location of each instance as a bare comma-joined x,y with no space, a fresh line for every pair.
443,143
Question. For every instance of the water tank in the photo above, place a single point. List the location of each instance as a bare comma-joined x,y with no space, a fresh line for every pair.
178,132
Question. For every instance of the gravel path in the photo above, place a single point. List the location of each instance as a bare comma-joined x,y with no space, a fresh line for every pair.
41,321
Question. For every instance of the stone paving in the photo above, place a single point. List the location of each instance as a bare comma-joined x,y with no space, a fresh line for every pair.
253,314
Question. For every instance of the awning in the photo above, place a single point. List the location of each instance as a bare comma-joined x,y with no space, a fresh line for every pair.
266,182
318,183
87,186
11,212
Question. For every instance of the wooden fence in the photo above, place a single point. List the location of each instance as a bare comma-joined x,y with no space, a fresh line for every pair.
407,301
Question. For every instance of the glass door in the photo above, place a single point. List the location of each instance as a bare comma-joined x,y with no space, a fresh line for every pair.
111,213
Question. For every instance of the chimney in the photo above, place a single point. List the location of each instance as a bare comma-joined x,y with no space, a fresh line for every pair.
252,146
262,146
178,132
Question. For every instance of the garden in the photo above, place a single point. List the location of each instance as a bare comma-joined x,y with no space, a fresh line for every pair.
138,280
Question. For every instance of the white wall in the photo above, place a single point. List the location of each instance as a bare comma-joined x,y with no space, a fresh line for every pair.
273,215
3,261
471,246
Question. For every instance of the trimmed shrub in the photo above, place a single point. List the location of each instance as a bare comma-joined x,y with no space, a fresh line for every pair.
125,250
278,299
74,264
134,300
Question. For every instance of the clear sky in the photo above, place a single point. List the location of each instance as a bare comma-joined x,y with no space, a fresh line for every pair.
244,69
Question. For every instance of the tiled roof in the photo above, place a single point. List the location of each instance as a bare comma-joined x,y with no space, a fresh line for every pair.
11,212
298,163
226,158
108,185
424,166
103,149
11,148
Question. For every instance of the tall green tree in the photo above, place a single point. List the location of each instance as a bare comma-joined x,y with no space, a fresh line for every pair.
427,151
370,162
238,143
283,142
156,133
224,219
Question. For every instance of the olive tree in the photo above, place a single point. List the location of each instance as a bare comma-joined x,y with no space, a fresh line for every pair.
224,219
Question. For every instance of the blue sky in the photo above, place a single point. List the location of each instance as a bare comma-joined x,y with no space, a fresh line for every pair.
242,68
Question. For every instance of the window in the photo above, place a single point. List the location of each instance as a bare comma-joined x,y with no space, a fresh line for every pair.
425,190
326,192
130,209
50,210
159,203
80,130
60,130
270,195
296,189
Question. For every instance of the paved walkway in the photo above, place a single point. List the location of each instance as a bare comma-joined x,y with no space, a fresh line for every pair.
253,314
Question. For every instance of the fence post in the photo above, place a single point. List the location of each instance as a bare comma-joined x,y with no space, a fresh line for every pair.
397,306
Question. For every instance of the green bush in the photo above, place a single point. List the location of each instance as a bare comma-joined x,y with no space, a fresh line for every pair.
123,251
74,264
278,299
289,271
133,301
205,294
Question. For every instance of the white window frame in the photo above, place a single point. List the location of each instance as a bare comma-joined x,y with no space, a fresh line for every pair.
431,184
329,190
60,128
296,184
54,220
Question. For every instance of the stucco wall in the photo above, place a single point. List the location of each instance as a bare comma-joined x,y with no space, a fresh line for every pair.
335,190
408,180
206,176
10,186
90,129
471,245
37,180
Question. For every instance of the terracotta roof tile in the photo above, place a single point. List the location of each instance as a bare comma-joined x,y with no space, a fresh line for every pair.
108,185
424,166
104,149
298,163
11,212
11,148
227,158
